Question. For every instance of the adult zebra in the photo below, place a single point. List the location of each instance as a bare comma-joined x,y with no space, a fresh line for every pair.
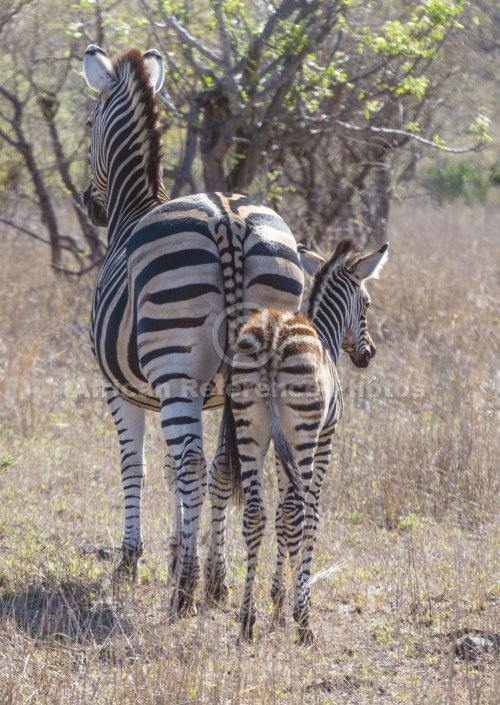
171,269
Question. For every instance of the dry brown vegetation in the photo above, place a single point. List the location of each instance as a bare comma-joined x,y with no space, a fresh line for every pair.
409,510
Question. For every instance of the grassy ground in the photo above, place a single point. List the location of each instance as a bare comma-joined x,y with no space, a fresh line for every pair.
409,516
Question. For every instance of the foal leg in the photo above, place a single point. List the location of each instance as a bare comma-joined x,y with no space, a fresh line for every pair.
254,436
254,523
303,602
290,535
301,416
278,590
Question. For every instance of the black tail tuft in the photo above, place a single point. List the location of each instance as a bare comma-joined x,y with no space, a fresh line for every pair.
287,458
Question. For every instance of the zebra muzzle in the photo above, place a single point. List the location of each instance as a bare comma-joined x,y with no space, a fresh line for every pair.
95,209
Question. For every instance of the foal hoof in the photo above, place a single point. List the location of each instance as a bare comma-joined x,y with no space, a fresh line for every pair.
278,619
247,620
245,636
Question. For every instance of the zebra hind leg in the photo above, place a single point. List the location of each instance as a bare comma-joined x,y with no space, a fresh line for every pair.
293,518
278,590
170,476
293,512
130,425
254,522
181,425
220,491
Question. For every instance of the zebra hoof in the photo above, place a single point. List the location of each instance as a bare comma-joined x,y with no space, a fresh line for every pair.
247,623
278,621
246,635
174,556
127,567
306,636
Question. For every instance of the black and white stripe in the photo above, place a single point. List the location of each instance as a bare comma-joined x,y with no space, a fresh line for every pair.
171,270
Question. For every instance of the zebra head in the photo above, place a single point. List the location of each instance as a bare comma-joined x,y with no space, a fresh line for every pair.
126,88
339,301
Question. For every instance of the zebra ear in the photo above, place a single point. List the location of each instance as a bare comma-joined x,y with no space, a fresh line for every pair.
97,68
309,261
370,266
154,65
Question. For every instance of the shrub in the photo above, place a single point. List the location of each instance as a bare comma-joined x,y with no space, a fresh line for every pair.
467,180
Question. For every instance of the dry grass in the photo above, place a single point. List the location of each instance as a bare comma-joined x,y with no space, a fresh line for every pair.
409,509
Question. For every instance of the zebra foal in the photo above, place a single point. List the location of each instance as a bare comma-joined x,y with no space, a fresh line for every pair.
286,389
171,270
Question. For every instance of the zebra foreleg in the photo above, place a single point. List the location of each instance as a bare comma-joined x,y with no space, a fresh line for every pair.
181,425
130,425
220,491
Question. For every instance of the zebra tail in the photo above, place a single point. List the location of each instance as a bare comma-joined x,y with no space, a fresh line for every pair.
234,301
281,445
232,453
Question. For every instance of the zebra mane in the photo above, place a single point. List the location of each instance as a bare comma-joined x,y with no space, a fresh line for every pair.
346,254
132,61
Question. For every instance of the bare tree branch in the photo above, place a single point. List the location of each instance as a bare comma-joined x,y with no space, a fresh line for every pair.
191,41
409,135
72,272
8,13
25,231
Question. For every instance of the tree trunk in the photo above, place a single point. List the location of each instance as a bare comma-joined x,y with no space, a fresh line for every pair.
90,232
379,212
249,159
48,214
214,140
184,174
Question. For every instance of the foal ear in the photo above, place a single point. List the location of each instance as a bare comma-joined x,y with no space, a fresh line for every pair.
370,266
154,64
309,261
97,68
